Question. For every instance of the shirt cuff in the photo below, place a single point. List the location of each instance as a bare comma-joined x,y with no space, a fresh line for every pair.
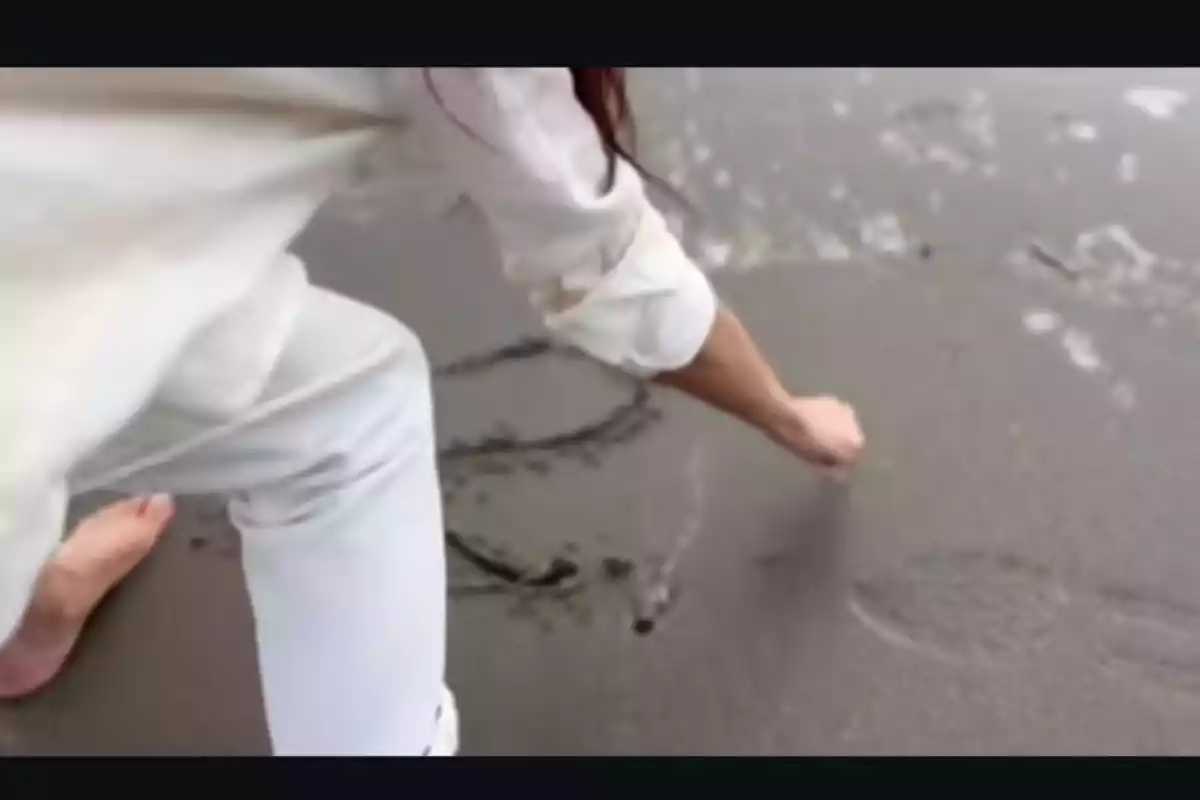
650,313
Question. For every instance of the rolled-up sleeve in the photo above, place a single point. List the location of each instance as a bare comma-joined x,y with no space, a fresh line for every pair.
594,255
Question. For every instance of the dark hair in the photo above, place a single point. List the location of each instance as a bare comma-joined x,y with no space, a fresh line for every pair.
602,93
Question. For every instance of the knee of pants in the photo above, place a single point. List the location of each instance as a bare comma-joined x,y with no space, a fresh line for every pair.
375,428
399,417
406,367
383,415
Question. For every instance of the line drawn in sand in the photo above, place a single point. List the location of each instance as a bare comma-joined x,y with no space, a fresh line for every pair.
561,578
981,608
656,597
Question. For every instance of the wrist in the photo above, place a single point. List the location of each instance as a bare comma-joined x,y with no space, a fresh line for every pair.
777,417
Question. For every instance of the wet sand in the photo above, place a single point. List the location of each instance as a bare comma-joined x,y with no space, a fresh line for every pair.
998,267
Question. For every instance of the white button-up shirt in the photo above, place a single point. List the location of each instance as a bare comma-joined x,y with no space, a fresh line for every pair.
147,215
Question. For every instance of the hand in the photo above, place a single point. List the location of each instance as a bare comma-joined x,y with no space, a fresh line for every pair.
823,431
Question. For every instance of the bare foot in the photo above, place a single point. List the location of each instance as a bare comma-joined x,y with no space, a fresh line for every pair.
101,551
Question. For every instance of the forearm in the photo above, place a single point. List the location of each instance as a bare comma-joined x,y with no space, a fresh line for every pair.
731,374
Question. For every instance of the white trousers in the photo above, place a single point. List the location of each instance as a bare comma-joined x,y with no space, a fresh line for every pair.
331,478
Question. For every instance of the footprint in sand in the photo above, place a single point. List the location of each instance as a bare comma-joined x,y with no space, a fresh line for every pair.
983,608
963,606
1148,639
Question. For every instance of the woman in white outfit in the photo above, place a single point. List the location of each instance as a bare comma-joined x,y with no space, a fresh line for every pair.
157,337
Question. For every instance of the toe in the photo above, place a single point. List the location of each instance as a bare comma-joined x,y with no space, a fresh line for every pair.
157,509
113,512
132,513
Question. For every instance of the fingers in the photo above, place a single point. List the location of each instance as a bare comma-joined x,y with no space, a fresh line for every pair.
834,437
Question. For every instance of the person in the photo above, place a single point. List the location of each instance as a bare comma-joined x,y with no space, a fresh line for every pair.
157,337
